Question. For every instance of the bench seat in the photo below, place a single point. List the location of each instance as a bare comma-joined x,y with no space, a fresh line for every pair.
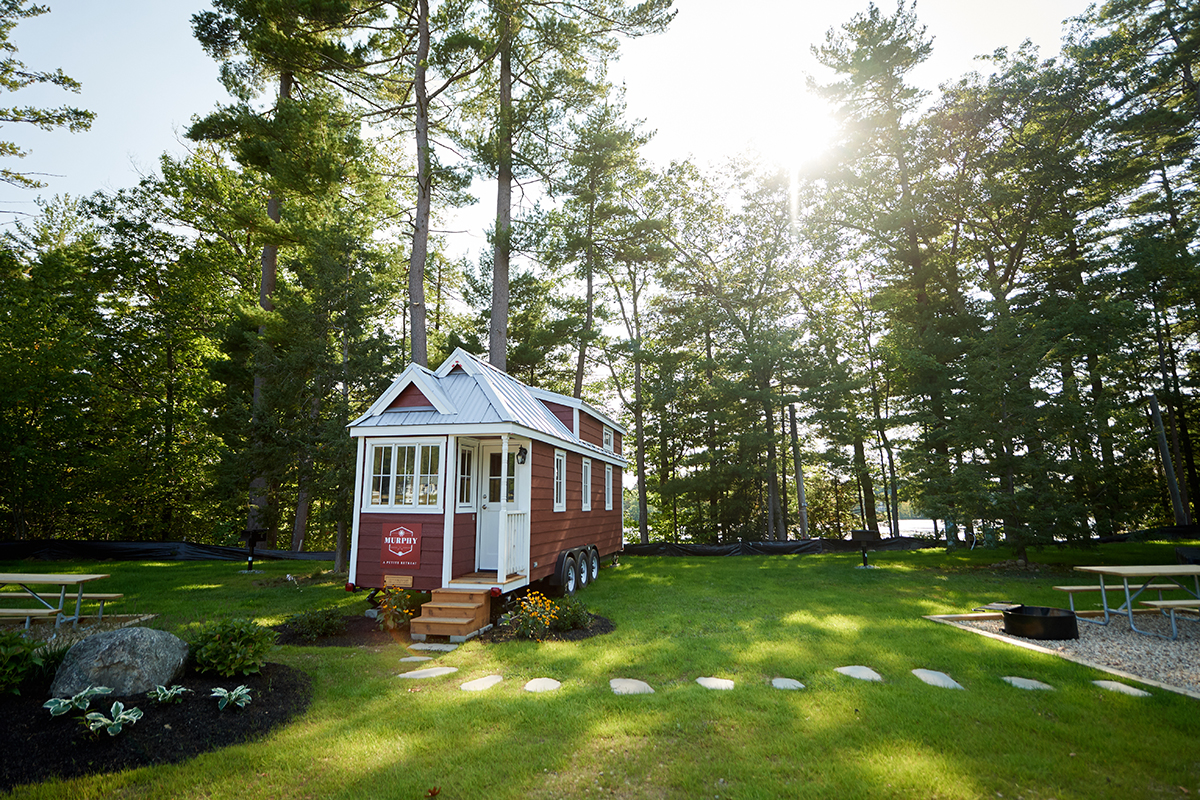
1172,606
28,613
1095,587
95,597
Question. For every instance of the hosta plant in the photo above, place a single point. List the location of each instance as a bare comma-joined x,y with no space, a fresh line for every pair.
121,716
79,702
240,696
163,694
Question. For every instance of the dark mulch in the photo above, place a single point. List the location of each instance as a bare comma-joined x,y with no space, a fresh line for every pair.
359,631
37,746
597,627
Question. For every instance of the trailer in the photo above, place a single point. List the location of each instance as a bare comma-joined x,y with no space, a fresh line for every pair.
470,485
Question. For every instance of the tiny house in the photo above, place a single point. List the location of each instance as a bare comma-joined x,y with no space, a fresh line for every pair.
470,484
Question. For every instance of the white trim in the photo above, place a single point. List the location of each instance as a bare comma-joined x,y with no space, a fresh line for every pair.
470,446
608,439
358,478
608,487
424,380
559,484
420,443
585,483
448,521
572,402
484,430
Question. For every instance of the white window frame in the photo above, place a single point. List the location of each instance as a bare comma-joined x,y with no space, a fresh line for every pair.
608,487
419,478
586,483
560,480
608,439
472,478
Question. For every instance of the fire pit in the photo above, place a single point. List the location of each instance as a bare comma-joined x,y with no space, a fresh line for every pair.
1040,622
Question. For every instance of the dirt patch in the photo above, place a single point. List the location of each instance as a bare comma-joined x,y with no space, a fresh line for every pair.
37,746
597,627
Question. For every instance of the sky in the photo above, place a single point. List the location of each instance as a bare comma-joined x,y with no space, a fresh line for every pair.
726,77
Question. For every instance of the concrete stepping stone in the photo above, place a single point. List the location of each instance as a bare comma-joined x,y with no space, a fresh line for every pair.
408,659
1027,683
431,672
434,647
630,686
719,684
786,683
939,679
479,684
542,685
1113,686
861,673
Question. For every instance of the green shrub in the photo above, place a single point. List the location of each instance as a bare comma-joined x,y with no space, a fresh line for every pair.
230,646
532,618
18,660
397,607
571,614
315,623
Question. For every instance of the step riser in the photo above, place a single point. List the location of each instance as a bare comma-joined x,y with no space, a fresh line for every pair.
457,613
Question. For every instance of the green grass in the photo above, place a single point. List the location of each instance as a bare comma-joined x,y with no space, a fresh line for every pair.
371,735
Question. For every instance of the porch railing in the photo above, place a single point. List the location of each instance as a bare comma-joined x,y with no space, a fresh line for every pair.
514,540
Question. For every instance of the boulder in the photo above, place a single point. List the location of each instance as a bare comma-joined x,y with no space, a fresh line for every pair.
129,661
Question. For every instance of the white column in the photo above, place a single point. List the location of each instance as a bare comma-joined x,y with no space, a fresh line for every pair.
450,507
502,534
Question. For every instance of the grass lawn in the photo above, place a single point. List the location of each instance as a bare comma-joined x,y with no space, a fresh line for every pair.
749,619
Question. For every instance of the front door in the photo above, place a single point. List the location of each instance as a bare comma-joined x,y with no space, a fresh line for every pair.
489,506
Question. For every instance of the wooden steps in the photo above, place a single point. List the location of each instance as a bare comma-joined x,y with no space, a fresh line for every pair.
457,613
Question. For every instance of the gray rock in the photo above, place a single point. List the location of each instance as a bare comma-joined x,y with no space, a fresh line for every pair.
129,661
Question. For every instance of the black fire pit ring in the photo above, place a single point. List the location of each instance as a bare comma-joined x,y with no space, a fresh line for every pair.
1040,622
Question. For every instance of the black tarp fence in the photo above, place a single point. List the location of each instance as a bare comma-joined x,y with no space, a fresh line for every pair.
72,550
803,547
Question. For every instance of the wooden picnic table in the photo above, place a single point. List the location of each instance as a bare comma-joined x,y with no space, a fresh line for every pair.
1142,576
64,581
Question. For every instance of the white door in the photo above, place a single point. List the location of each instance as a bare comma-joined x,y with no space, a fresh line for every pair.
488,540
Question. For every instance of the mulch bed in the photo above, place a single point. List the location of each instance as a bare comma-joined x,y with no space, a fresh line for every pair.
37,746
597,627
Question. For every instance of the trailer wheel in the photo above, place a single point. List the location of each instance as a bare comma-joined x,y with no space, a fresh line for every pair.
593,565
585,572
570,576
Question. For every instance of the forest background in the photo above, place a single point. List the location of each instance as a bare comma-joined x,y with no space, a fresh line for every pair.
972,300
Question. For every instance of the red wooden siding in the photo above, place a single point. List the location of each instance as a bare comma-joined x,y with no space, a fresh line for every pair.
371,528
411,397
591,430
565,414
554,531
463,559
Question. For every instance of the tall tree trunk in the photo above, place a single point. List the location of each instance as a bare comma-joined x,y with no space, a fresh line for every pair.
502,247
639,432
420,240
865,481
259,515
585,335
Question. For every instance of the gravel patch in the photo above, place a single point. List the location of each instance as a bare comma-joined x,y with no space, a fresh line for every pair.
1115,646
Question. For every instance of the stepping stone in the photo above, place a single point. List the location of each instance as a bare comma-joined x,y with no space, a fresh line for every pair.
480,684
415,658
939,679
433,647
720,684
431,672
1113,686
630,686
1027,683
542,685
862,673
786,683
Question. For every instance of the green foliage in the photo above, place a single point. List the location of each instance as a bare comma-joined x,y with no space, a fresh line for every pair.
240,696
232,646
397,607
78,702
18,660
315,623
114,724
163,694
570,614
533,617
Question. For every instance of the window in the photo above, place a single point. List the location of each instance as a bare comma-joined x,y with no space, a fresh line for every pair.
608,438
608,487
586,504
495,464
406,475
466,477
560,480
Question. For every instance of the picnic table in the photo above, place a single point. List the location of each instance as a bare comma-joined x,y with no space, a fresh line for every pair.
47,606
1142,577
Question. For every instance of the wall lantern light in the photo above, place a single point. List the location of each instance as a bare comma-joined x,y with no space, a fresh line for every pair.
522,454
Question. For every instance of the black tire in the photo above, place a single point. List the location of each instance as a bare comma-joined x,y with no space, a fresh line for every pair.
570,583
585,571
593,565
